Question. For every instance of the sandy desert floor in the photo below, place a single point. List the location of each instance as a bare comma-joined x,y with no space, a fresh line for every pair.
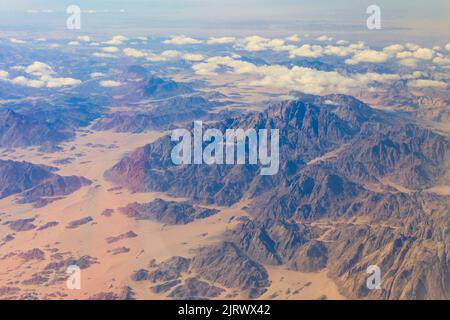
92,153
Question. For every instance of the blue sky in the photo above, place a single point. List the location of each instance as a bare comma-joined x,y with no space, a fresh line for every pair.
425,20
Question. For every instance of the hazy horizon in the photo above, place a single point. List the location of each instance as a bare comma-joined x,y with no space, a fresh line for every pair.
402,20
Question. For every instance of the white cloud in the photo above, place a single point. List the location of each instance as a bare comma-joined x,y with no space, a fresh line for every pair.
44,74
221,40
163,56
130,52
258,43
110,49
73,43
409,62
38,68
427,83
94,75
116,40
171,54
441,60
423,54
447,47
193,57
358,46
339,51
294,38
17,41
84,38
103,55
370,56
180,40
307,50
297,78
394,48
22,81
342,42
413,75
4,74
412,46
60,82
110,84
418,54
324,38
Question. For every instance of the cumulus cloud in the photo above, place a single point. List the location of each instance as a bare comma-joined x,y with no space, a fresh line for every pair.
44,74
394,48
94,75
4,74
423,54
17,41
73,43
171,54
324,38
84,39
441,60
370,56
420,53
181,40
116,40
110,84
193,57
303,79
409,62
339,51
104,55
38,68
221,40
163,56
341,42
131,52
110,49
307,50
258,43
412,46
294,38
447,47
60,82
427,83
22,81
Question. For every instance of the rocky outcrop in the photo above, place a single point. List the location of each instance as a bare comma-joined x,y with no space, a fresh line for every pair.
194,289
350,193
22,130
227,265
169,212
35,183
